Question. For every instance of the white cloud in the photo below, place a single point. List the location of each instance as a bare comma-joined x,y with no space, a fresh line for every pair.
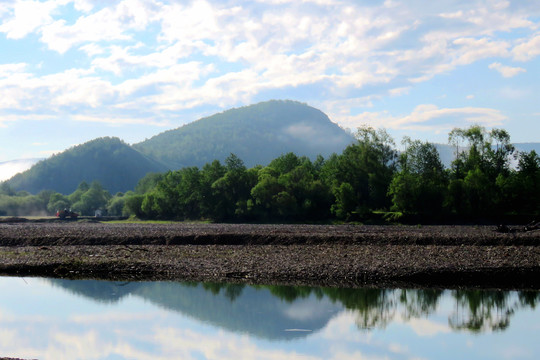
528,49
506,71
108,24
472,50
424,327
117,121
426,117
206,52
7,70
399,91
27,16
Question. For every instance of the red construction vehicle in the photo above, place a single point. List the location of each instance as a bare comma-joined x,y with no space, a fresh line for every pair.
62,214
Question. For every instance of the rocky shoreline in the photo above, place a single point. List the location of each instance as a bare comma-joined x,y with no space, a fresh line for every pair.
317,255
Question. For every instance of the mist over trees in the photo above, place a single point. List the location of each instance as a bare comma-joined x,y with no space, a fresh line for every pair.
368,181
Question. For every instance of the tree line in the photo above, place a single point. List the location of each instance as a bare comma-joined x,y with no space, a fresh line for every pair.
473,310
369,181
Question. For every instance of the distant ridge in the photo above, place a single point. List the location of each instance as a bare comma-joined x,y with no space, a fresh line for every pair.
257,134
116,165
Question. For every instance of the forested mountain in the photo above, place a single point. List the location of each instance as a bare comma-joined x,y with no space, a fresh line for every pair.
115,164
257,134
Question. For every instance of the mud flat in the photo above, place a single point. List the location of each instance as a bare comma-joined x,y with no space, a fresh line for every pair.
318,255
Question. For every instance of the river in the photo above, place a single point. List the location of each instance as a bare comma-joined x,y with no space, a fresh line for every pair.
87,319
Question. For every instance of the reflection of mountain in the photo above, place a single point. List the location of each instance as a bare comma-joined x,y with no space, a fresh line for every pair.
285,312
100,291
243,309
233,307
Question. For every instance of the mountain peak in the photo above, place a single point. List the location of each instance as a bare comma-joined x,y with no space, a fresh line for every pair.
256,133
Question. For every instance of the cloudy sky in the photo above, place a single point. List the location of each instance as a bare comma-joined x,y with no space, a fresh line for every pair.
74,70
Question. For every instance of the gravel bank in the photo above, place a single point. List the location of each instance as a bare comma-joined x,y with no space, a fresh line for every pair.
344,255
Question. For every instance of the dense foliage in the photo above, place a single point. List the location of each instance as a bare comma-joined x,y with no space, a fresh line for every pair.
367,179
85,200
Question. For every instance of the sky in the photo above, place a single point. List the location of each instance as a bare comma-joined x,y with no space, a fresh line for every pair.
75,70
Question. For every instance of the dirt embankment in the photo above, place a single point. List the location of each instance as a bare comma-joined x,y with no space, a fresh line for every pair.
344,255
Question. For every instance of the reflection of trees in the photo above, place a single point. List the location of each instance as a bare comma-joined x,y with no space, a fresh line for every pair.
231,291
529,298
477,310
374,307
377,309
419,303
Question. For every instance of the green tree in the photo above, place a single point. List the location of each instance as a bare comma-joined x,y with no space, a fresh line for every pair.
421,183
58,202
96,197
133,204
210,202
368,167
233,190
116,204
289,189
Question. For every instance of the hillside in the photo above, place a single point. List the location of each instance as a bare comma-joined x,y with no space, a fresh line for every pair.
256,134
113,163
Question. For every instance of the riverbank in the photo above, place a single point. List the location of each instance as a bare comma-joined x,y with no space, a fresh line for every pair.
318,255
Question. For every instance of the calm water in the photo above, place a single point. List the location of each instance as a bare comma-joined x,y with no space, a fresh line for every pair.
63,319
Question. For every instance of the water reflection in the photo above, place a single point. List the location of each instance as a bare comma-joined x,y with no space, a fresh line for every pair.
237,307
234,307
250,309
56,319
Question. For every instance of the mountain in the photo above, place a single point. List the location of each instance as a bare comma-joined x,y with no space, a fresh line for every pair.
9,168
528,147
233,307
257,134
115,164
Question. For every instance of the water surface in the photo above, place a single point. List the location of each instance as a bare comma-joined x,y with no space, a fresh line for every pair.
65,319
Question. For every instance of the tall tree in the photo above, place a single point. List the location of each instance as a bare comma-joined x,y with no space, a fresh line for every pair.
367,166
420,185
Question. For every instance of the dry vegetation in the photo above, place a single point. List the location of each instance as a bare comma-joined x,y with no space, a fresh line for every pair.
343,255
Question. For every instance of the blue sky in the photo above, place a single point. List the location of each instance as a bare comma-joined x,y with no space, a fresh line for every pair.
74,70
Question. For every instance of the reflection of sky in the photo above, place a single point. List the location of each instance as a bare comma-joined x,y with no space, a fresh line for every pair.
38,321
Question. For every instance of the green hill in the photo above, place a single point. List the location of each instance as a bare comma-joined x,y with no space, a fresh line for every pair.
257,134
115,164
